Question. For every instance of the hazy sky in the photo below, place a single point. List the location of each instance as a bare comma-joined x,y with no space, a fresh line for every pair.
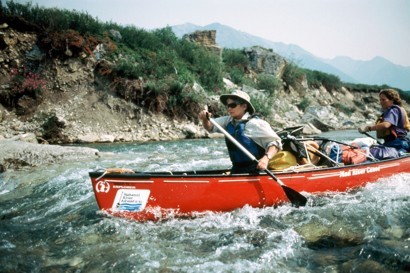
360,29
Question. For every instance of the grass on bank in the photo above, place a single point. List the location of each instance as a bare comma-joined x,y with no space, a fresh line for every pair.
167,66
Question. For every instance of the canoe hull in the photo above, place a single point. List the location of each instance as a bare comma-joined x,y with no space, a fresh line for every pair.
155,196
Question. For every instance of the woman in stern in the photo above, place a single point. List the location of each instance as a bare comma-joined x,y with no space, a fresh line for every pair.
253,133
393,124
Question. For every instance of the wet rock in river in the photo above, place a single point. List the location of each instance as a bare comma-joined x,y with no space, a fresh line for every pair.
363,266
337,234
19,154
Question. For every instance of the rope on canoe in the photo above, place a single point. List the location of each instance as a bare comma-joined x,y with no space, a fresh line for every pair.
114,170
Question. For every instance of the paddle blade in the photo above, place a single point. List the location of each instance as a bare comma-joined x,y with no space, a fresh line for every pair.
294,197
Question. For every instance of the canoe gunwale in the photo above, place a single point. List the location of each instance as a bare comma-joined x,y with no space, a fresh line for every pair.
225,172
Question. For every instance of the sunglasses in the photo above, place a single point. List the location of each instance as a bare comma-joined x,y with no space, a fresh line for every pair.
232,105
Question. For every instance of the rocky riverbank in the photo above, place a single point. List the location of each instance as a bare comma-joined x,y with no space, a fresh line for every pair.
77,107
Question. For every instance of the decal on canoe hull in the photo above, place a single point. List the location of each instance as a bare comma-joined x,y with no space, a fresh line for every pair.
130,200
102,186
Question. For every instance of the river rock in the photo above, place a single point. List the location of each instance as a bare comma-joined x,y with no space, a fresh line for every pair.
27,137
363,266
338,234
107,138
19,154
88,138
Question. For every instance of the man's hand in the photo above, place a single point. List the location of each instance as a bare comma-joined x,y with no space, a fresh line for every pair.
364,129
204,114
263,163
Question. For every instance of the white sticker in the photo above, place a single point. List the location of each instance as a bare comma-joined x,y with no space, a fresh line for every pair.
102,186
130,200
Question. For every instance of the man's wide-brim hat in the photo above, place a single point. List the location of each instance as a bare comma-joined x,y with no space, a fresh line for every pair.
238,94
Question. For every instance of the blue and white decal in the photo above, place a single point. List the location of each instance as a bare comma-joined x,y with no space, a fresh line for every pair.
131,200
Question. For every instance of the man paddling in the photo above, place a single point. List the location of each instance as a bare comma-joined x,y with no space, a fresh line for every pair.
253,133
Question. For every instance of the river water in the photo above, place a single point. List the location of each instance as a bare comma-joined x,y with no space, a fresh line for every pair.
49,222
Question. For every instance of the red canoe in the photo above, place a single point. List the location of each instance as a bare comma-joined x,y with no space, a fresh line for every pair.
158,195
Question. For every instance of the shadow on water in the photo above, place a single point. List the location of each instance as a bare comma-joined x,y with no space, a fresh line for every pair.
49,222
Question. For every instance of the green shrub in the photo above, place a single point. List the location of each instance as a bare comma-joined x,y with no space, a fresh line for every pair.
304,103
317,78
268,82
55,20
173,98
209,69
292,74
404,95
263,107
359,87
236,75
235,63
235,58
128,69
375,89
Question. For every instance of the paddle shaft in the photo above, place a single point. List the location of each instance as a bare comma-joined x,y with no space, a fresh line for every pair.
367,134
243,149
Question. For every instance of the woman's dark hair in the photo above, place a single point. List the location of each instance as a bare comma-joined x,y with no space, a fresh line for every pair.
393,95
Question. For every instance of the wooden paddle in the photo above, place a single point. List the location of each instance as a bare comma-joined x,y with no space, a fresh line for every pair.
294,197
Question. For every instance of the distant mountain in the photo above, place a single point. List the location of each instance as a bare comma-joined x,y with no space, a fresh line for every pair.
377,71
